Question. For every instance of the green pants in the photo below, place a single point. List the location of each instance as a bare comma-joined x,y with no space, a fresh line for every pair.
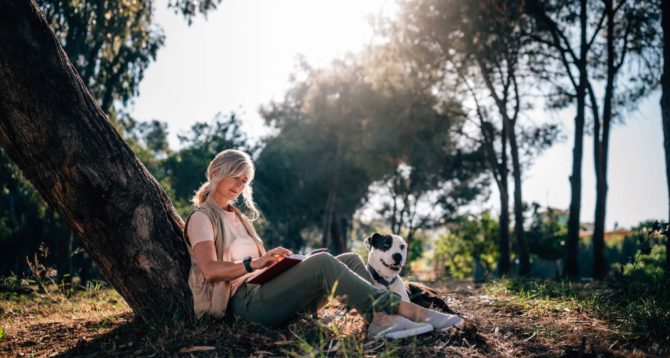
306,287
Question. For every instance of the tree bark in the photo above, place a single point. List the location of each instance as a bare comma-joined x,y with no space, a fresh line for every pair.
665,111
503,244
572,242
64,144
519,233
499,172
601,147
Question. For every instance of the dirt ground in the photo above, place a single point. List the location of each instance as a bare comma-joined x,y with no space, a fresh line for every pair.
101,324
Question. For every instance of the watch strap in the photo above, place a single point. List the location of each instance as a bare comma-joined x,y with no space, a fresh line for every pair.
247,264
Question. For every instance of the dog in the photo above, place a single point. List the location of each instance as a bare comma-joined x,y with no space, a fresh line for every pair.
388,255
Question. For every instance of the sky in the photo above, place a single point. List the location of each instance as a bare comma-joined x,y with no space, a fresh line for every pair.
241,55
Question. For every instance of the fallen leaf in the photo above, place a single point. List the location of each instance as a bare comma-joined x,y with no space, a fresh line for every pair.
197,349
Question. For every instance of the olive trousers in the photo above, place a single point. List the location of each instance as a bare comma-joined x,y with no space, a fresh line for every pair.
306,287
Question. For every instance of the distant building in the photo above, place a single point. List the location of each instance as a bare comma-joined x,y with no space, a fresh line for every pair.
585,229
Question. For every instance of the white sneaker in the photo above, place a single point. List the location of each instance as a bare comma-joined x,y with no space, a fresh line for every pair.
399,327
444,321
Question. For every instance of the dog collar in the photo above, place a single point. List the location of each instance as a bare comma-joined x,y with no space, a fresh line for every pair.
377,277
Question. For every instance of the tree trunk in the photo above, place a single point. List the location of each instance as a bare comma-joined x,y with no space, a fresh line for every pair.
503,245
326,237
572,242
522,247
601,151
61,140
665,110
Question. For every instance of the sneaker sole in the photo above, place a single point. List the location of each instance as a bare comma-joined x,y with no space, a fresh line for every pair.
460,324
409,332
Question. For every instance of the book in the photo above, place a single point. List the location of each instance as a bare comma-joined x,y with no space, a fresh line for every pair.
280,267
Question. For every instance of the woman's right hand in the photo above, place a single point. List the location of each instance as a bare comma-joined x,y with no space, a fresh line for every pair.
270,257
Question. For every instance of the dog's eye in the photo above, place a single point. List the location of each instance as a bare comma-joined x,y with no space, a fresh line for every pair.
402,247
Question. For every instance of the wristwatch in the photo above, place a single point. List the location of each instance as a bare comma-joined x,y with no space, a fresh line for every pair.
247,264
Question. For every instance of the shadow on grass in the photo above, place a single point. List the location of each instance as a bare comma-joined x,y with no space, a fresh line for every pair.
305,336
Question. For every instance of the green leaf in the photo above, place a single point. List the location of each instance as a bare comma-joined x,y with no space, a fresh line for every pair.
2,332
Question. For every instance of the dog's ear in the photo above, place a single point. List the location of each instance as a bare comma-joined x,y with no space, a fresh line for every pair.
370,241
367,242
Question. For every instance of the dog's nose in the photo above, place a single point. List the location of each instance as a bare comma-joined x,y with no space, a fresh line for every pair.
397,257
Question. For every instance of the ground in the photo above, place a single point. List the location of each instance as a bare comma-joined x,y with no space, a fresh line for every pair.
507,320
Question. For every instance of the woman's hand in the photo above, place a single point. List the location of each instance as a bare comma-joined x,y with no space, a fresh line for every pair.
270,257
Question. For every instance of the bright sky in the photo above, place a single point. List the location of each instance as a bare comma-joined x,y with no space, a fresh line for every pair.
241,57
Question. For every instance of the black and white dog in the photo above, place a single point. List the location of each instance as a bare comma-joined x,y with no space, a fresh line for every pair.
388,254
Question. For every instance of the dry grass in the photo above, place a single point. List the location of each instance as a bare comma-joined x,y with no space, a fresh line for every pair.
98,322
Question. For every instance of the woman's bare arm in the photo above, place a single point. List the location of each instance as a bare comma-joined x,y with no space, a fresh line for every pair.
212,269
201,231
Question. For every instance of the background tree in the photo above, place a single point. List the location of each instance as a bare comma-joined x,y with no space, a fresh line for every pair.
329,128
481,46
631,31
558,60
665,107
367,117
185,169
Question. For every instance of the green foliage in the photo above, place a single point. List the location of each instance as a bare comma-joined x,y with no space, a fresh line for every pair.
342,128
316,171
415,249
547,233
185,170
110,43
646,274
470,244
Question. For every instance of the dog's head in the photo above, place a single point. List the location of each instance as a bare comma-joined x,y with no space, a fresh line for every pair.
388,254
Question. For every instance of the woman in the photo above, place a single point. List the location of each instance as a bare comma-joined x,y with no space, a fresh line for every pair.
226,251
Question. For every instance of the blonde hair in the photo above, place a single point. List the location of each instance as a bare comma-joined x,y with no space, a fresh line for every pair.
229,163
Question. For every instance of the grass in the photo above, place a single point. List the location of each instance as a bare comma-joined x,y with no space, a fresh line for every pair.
635,316
512,318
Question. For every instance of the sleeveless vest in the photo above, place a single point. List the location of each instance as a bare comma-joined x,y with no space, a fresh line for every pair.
212,297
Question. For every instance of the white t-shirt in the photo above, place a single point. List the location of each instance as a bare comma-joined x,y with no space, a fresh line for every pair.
200,230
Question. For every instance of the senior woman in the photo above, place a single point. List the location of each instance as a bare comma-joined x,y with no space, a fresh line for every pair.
226,252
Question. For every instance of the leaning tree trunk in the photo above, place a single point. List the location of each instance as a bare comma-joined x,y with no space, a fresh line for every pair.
56,133
665,111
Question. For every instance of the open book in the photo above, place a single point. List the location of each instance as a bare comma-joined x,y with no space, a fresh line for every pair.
279,267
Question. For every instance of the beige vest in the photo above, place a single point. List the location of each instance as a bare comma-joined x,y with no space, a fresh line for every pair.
212,297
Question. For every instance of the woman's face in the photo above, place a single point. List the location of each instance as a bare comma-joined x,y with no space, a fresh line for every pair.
229,188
